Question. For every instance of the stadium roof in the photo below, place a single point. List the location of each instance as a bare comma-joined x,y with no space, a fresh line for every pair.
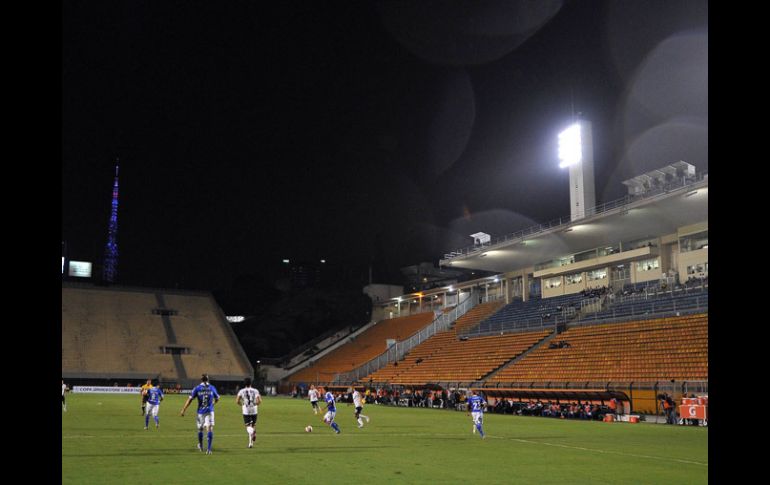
653,216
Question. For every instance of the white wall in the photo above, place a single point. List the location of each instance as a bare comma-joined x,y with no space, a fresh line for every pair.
379,293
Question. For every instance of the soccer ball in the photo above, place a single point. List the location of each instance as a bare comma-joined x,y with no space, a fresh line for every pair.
308,429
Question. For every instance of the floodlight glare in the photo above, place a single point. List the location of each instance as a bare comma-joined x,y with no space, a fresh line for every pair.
570,147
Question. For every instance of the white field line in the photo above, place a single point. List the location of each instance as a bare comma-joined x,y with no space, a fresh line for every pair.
580,448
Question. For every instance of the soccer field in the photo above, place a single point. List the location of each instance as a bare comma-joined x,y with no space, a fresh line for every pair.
103,441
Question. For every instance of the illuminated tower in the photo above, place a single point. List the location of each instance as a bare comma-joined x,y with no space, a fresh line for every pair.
576,151
111,251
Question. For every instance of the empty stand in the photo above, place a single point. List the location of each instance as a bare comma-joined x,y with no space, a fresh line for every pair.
362,349
652,350
447,358
535,312
119,333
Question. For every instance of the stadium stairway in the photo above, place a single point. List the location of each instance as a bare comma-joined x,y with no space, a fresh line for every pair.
436,345
522,355
181,373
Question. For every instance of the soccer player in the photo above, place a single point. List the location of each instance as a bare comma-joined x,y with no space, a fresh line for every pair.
331,411
249,399
207,396
312,394
154,396
64,389
476,406
145,387
359,406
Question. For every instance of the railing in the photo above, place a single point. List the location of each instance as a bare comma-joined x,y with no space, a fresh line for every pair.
656,309
516,326
296,356
490,298
657,293
695,387
590,304
599,209
399,349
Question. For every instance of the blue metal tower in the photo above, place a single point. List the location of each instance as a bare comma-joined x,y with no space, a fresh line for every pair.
111,251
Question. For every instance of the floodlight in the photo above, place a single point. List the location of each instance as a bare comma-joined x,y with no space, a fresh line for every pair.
570,146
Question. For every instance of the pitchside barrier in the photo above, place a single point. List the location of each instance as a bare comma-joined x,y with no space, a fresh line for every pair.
694,408
121,390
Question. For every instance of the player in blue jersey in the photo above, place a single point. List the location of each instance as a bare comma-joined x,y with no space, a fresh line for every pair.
331,411
207,396
476,406
154,397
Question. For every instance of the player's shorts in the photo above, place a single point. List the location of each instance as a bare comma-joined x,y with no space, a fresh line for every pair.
329,416
478,417
314,404
152,409
206,419
249,419
358,410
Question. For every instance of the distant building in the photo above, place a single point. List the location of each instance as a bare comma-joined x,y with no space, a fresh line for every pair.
425,276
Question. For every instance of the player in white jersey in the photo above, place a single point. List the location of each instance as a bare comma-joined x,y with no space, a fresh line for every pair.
249,400
312,394
358,403
64,389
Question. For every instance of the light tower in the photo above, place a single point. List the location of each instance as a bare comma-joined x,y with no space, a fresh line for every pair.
111,250
576,151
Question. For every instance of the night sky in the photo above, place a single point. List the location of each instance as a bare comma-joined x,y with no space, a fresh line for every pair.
364,133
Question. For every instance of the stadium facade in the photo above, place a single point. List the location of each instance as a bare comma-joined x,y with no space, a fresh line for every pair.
640,261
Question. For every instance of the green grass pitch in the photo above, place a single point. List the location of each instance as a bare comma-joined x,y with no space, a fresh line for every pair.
103,441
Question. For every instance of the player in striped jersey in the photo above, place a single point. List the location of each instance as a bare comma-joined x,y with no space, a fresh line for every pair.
359,406
249,400
64,389
312,394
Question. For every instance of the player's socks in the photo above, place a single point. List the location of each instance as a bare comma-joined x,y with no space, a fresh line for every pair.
200,440
360,423
211,438
146,420
481,431
157,421
336,428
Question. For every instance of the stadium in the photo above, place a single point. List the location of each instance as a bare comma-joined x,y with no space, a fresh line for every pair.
572,350
627,304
